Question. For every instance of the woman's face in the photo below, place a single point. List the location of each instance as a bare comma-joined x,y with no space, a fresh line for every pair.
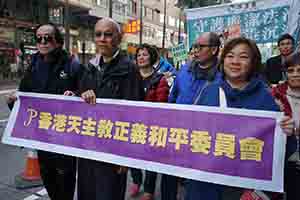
293,73
143,58
237,63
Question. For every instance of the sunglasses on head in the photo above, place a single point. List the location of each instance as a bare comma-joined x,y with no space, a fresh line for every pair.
104,34
46,38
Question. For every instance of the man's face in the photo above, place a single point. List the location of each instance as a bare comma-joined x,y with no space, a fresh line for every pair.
285,47
45,39
203,51
107,37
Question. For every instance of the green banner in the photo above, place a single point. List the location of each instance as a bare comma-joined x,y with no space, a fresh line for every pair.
179,53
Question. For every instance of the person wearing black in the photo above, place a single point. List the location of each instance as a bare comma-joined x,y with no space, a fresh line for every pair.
52,71
109,75
275,70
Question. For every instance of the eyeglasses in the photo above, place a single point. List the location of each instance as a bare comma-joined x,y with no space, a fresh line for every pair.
47,39
104,34
199,47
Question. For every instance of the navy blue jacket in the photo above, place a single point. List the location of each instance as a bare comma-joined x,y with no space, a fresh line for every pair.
255,96
58,74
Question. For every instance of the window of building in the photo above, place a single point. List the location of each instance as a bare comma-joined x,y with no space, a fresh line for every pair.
161,18
144,11
149,13
131,8
102,3
153,15
119,7
171,21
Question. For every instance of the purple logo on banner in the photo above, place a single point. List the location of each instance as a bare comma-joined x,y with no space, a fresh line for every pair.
211,142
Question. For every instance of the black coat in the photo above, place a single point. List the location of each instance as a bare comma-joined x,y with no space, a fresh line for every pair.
59,74
117,80
274,70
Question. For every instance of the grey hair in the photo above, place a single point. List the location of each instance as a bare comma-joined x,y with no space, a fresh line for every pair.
117,26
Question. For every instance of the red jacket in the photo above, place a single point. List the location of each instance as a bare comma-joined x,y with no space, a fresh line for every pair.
279,92
157,89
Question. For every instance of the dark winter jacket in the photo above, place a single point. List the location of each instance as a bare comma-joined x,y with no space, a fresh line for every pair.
156,88
118,79
275,71
58,74
254,96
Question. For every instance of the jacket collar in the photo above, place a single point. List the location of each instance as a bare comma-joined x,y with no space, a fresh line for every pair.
204,74
99,58
117,66
251,88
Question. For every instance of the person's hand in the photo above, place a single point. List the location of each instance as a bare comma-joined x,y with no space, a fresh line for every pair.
287,124
89,96
11,98
69,93
167,74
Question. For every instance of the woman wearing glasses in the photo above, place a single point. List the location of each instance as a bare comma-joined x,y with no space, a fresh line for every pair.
288,96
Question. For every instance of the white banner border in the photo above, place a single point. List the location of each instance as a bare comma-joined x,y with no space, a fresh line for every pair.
275,185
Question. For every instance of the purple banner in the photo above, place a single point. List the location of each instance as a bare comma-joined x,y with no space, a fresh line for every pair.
227,144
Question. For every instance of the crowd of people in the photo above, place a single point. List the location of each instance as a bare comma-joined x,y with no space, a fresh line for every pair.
233,78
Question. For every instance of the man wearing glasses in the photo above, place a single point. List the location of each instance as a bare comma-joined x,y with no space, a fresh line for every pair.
52,71
109,75
189,84
199,72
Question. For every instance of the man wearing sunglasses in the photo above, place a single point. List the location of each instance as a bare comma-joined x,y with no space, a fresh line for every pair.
190,81
109,75
52,71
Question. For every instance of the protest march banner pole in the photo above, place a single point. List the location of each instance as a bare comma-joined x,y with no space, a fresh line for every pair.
235,147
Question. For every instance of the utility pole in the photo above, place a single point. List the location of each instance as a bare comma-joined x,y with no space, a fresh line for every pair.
67,25
110,8
141,22
164,25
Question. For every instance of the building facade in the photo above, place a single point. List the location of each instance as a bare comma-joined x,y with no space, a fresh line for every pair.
18,20
126,11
